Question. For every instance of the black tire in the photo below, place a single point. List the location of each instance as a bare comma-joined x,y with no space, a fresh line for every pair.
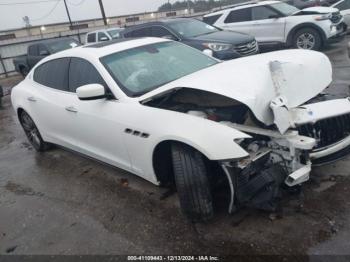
192,183
32,133
24,71
311,36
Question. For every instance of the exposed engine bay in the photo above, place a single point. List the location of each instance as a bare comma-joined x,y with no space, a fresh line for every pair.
275,160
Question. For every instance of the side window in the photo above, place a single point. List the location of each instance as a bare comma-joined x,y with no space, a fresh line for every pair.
343,5
91,38
262,12
102,37
240,15
158,31
43,51
140,32
53,74
211,19
33,50
82,72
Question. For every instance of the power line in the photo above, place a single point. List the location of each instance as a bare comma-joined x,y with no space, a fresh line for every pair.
49,13
76,4
30,2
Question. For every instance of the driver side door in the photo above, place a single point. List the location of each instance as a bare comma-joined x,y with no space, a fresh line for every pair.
268,25
98,125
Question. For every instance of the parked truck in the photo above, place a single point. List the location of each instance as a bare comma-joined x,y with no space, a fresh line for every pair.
39,50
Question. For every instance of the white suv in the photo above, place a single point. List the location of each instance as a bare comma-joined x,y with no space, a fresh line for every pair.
275,22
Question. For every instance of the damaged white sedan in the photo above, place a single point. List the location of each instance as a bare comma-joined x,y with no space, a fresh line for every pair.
174,116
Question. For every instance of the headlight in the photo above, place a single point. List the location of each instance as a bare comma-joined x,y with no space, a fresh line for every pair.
217,46
322,17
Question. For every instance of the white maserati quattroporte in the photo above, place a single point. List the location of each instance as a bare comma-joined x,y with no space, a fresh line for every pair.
175,116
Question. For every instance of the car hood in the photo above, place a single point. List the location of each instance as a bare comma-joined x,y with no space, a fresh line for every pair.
249,80
230,37
321,9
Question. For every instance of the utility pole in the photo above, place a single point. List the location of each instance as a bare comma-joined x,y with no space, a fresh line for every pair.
103,12
70,20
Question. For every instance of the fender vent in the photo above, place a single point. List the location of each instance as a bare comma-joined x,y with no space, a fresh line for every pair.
136,133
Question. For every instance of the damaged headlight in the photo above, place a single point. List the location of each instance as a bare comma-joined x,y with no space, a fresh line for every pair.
218,46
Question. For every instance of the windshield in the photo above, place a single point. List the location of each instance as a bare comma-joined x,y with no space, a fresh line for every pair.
192,28
114,33
61,45
142,69
285,9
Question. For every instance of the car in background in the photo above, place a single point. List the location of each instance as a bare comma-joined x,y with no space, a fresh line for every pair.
41,49
221,44
301,4
344,7
103,35
279,24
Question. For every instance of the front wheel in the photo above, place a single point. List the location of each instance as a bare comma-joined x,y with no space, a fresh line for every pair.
307,38
32,133
192,183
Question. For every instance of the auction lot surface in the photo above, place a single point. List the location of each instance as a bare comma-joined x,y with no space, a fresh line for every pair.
62,203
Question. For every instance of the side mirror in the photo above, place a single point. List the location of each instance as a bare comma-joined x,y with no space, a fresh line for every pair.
91,92
44,53
274,16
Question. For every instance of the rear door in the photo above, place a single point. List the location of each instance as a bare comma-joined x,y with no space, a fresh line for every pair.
52,96
239,20
268,25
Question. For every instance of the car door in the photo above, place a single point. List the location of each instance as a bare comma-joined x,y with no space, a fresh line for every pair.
268,25
33,55
52,96
96,124
102,37
237,20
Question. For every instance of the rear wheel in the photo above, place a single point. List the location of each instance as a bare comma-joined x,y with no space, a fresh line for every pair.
307,38
33,133
192,183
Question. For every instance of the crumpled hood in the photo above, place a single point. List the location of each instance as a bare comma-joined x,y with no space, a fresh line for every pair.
321,9
249,80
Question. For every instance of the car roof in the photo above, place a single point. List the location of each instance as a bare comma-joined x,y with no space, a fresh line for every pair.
159,22
105,29
243,5
52,40
108,47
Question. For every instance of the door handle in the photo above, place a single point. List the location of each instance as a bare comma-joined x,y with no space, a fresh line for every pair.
71,109
31,99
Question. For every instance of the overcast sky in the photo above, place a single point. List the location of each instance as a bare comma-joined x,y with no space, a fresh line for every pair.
52,11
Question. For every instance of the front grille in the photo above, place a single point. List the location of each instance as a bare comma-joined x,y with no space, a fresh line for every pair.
247,48
327,131
336,17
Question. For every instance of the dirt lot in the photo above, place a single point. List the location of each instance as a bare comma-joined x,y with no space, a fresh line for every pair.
62,203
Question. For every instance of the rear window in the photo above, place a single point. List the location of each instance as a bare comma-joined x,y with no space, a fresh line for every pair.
240,15
211,19
91,38
61,45
53,74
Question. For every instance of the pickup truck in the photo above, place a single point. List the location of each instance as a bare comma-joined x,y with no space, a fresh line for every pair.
39,50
